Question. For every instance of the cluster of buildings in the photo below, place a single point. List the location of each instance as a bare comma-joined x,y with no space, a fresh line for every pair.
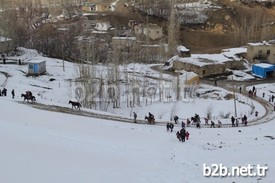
133,39
260,55
141,39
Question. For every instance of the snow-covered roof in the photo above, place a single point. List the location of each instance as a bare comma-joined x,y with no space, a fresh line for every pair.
99,32
182,49
204,59
232,52
4,39
90,14
261,44
264,65
125,38
208,59
36,61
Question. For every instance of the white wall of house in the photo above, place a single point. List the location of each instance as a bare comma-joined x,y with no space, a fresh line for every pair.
102,26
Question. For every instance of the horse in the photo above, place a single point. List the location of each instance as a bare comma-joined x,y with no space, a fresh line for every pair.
151,120
28,97
75,104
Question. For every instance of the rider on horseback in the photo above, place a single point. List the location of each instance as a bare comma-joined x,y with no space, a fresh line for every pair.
151,118
28,93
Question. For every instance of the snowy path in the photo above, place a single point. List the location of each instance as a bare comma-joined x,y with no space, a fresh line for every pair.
266,118
269,108
227,85
6,75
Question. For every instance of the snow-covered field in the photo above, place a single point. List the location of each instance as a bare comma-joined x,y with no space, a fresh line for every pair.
61,90
42,146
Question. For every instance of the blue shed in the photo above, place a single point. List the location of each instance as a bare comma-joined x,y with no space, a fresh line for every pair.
262,70
37,67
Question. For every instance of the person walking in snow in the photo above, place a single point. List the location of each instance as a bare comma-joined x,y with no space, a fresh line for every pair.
12,93
167,126
182,134
4,92
187,134
240,89
176,119
171,127
253,89
182,124
244,120
237,122
178,135
206,121
135,117
233,121
198,125
256,114
212,124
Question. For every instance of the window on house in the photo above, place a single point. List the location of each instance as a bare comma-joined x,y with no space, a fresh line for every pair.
268,52
260,52
203,72
157,32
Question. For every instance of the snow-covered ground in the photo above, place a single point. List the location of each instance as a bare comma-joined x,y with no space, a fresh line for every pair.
41,146
61,90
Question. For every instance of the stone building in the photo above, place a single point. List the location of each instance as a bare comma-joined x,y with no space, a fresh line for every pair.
207,64
153,31
261,52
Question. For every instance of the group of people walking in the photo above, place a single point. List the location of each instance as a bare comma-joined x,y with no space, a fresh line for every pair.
235,121
4,91
182,135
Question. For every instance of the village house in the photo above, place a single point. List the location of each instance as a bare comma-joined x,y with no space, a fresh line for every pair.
95,6
6,44
261,52
153,31
206,65
102,25
183,51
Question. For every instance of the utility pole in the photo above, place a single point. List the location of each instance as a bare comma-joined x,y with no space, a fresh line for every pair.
234,95
63,57
178,87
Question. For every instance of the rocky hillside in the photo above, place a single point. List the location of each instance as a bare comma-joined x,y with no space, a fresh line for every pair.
212,24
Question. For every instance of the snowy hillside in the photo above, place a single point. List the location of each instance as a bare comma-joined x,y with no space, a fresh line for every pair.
57,87
40,146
